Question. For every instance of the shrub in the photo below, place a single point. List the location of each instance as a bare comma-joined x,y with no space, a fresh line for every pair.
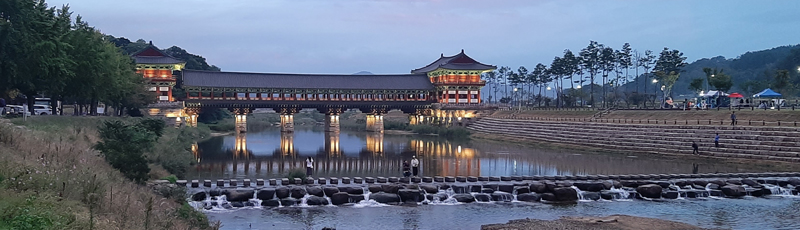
296,173
124,146
395,125
451,132
171,178
153,125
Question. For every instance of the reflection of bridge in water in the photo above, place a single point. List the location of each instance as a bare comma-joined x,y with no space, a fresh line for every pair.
437,158
381,155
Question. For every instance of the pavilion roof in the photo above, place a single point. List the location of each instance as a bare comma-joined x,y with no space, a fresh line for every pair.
197,78
459,61
152,55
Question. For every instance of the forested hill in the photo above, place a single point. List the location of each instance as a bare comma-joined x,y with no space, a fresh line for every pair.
193,61
750,73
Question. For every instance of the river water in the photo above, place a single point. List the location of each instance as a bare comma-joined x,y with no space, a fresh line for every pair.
269,153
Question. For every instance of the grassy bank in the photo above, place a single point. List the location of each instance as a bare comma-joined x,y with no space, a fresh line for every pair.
52,178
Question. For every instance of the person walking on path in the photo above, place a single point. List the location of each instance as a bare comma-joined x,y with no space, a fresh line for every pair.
406,172
415,166
694,147
309,166
716,141
733,118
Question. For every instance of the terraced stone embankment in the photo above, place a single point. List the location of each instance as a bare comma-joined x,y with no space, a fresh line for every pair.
749,142
549,189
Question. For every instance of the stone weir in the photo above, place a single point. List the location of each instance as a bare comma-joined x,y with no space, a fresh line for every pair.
547,189
748,142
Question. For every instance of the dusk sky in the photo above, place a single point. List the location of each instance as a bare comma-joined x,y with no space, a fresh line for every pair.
396,36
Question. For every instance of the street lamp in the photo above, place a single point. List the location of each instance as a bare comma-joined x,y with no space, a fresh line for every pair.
517,96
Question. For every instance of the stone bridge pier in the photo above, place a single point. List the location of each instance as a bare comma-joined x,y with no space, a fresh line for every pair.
331,119
240,115
375,123
287,119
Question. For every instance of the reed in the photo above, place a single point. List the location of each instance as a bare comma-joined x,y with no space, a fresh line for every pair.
52,173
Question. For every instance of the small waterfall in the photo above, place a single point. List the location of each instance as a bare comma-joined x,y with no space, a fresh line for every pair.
622,193
302,202
256,202
681,193
778,191
580,194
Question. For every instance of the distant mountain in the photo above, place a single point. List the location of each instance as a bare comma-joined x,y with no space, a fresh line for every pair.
364,73
754,67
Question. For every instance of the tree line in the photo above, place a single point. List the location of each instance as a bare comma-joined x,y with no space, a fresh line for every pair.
43,51
750,73
596,63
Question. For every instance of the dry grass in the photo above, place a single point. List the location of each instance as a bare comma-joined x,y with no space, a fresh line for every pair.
61,163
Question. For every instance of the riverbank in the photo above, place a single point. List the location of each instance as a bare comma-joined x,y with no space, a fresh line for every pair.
777,166
52,178
613,222
742,142
744,115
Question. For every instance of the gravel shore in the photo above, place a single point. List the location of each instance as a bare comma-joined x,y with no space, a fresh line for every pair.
622,222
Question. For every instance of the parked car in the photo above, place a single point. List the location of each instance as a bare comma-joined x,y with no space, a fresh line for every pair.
16,110
42,110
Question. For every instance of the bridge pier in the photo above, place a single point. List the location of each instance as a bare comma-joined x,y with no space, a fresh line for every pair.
191,120
287,123
332,122
415,119
241,123
375,123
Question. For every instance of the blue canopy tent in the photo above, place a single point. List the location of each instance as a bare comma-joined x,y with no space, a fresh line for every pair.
767,93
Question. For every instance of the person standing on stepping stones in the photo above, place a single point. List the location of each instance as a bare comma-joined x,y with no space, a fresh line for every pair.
309,166
716,141
733,118
694,146
414,165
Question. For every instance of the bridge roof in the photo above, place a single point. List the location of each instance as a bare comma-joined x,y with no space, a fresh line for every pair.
456,62
199,78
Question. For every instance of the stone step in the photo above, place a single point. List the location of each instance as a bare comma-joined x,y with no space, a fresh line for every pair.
661,145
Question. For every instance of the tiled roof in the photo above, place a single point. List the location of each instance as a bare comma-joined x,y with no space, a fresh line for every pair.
152,55
456,62
156,60
196,78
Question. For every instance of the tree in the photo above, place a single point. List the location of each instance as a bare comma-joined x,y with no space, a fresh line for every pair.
491,81
539,74
521,78
591,64
607,65
34,54
624,60
782,82
668,69
504,73
558,71
646,62
696,84
123,146
718,79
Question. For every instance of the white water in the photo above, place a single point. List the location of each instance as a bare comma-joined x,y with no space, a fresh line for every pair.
623,194
580,194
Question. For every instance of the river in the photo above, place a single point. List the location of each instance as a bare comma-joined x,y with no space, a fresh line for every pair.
269,153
